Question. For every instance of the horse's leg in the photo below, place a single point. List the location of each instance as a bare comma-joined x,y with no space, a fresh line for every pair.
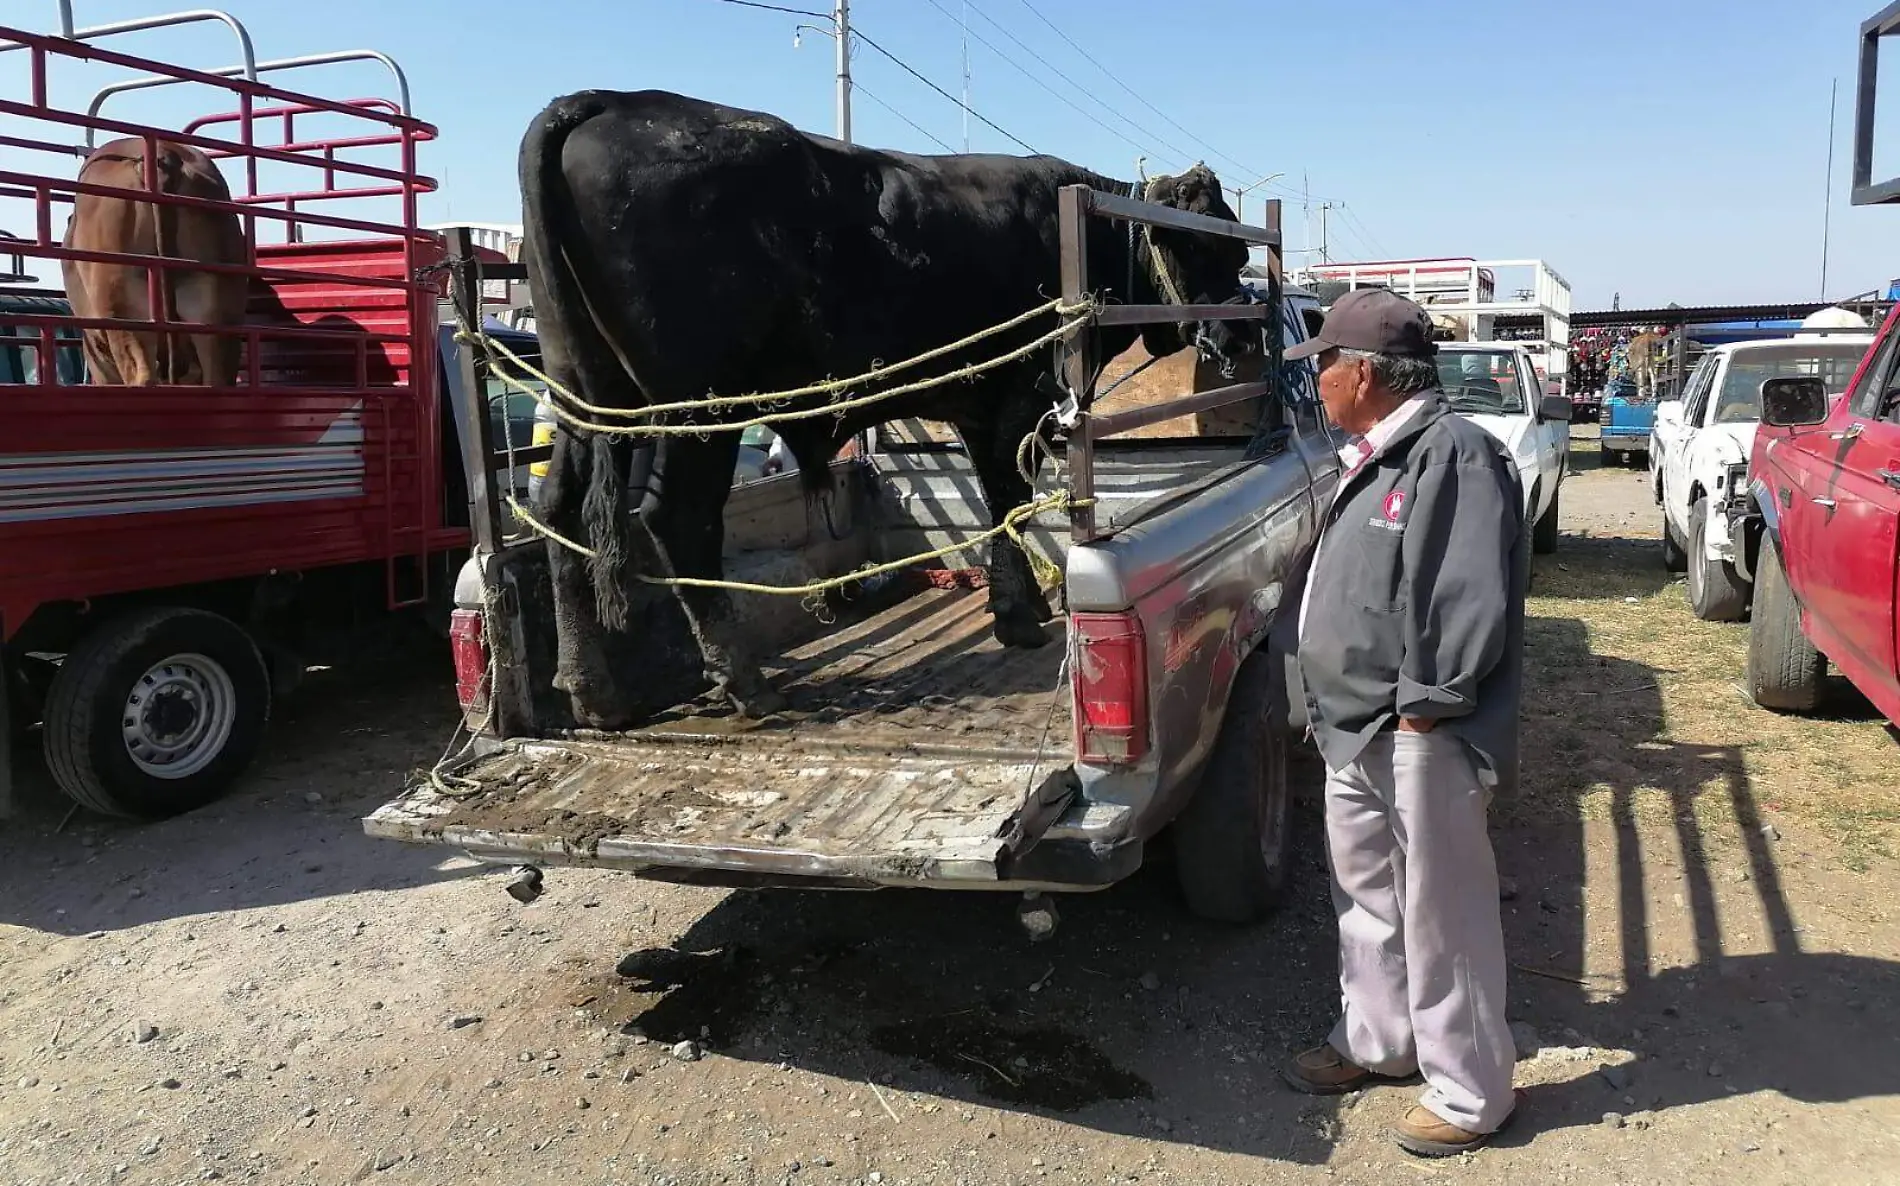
581,666
1016,601
686,515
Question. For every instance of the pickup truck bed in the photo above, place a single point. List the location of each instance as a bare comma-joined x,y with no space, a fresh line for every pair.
830,790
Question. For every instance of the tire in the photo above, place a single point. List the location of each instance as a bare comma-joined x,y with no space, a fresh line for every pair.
1716,592
1673,557
199,672
1784,669
1230,842
1544,535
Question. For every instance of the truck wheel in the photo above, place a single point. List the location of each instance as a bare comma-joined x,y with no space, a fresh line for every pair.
154,713
1230,841
1673,557
1716,592
1544,535
1784,668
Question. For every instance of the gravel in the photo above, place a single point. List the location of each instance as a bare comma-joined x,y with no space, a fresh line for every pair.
687,1051
144,1032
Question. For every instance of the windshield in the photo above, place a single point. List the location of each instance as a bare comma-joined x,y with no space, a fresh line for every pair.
1739,401
1482,381
511,410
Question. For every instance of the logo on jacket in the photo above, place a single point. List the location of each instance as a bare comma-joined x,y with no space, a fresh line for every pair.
1394,504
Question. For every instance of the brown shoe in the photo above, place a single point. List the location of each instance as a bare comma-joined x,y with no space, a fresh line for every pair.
1325,1071
1422,1132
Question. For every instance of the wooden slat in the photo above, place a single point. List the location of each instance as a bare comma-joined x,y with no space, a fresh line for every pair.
1116,206
1120,422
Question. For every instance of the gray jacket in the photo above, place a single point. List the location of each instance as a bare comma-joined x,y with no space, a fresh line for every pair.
1417,595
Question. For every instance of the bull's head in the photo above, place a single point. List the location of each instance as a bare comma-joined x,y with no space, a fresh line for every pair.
1193,269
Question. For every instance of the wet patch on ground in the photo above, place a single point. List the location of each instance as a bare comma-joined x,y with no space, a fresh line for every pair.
734,996
1042,1067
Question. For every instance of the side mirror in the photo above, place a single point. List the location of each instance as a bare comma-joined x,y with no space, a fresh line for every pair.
1553,407
1793,401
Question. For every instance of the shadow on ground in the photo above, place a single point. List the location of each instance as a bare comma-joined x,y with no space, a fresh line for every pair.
1139,1021
348,736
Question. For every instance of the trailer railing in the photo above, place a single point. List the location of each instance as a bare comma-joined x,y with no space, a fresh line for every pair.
1079,365
341,305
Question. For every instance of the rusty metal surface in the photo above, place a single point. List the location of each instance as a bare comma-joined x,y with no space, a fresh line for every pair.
908,756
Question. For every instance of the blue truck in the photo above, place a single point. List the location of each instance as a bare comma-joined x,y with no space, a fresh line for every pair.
1626,420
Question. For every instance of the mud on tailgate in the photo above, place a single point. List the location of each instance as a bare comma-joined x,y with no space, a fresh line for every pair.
678,804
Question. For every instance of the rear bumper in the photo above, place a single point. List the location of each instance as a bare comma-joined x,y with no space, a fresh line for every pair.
1624,442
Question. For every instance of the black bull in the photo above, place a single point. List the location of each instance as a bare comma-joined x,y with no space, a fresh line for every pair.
679,249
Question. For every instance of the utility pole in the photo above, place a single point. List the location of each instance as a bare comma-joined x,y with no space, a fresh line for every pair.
965,27
1324,256
1827,205
841,28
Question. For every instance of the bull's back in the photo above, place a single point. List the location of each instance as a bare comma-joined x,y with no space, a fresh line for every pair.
781,251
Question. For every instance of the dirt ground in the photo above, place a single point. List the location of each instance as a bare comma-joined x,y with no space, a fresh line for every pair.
1700,908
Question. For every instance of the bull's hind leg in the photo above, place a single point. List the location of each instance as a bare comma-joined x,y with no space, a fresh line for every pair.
687,517
581,668
1017,604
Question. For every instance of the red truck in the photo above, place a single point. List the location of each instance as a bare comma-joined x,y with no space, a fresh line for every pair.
170,554
1825,476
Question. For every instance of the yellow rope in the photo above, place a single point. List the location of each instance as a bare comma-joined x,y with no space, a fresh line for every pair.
1045,570
771,397
494,348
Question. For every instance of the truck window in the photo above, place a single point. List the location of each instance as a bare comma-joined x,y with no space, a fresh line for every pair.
1739,401
1695,396
1879,389
1486,382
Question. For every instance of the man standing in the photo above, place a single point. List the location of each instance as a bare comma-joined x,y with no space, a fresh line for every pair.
1411,640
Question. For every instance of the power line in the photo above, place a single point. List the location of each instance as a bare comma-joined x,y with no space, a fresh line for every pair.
1033,77
1179,153
1116,79
861,89
820,16
907,68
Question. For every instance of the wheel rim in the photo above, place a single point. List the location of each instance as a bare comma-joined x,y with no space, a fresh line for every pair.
178,716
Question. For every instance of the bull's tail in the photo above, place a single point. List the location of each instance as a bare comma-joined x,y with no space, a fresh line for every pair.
575,348
169,169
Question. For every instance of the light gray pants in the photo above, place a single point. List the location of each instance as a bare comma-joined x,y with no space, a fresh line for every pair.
1421,942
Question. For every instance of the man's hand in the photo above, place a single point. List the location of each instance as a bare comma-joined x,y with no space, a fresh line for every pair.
1417,724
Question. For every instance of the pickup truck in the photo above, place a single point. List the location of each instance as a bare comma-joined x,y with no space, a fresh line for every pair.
1625,421
1825,479
1495,385
1698,459
917,751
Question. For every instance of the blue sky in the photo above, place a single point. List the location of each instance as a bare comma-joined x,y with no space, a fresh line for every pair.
1666,152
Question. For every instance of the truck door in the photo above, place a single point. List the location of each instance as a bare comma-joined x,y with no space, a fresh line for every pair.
1677,422
1852,524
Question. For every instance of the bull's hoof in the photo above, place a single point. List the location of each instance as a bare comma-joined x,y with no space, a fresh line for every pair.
758,702
1017,630
1038,604
590,715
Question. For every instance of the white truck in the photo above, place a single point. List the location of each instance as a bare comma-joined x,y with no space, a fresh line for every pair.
1698,458
1495,385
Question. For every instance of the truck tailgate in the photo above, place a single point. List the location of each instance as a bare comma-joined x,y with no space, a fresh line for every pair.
909,755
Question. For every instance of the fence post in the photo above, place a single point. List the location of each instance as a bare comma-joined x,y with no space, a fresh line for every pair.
478,447
1078,356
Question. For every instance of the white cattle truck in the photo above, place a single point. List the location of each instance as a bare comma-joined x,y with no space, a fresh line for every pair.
1524,301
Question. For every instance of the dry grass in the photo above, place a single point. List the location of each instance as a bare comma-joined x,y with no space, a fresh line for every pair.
1632,705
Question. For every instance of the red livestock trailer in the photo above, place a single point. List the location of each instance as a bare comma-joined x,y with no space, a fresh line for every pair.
167,552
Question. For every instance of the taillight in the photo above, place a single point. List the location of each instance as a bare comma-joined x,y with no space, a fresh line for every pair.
1110,660
469,644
